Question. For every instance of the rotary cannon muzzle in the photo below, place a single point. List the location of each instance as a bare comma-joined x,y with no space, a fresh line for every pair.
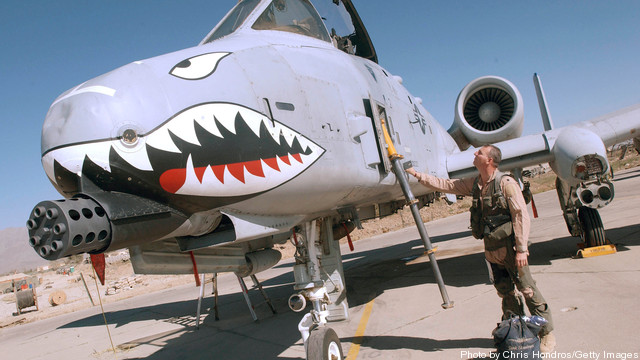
98,222
61,228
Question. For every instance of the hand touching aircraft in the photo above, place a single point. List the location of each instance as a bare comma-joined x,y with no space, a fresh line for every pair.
273,128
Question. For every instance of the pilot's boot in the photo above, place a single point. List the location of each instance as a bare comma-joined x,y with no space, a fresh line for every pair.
547,343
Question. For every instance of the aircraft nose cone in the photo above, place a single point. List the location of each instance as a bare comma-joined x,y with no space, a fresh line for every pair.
107,107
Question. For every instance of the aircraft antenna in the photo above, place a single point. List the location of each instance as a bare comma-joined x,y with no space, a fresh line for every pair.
542,102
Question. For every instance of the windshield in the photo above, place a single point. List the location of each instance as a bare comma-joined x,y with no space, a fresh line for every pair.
296,16
334,21
346,28
335,17
235,18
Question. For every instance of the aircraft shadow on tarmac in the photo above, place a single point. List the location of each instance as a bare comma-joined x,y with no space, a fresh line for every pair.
364,280
424,344
235,335
399,266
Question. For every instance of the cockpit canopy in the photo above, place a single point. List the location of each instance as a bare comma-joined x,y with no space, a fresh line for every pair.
334,21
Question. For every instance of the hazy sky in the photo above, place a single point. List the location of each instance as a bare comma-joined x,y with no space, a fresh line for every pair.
587,53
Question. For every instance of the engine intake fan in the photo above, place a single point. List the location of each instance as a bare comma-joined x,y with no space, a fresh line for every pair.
489,109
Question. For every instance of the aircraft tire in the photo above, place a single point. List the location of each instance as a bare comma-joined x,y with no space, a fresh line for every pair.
324,344
592,228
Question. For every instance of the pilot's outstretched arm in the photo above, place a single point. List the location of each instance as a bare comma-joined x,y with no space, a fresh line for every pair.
462,187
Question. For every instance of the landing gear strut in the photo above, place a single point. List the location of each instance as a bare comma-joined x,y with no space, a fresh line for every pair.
581,220
320,279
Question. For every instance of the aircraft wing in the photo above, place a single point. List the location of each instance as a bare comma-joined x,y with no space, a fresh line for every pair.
541,148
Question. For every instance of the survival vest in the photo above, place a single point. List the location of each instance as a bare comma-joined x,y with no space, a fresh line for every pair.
490,216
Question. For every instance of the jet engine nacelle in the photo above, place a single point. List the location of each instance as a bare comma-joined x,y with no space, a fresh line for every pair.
579,154
580,160
489,109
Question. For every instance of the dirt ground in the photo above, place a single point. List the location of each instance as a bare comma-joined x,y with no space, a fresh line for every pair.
122,282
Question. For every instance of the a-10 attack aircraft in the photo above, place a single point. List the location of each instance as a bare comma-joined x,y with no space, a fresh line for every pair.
272,129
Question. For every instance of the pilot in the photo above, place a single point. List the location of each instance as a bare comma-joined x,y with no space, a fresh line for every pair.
499,216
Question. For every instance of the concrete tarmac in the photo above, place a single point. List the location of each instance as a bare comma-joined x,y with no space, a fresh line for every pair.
593,301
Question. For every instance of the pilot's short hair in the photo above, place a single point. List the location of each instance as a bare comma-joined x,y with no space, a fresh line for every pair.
495,153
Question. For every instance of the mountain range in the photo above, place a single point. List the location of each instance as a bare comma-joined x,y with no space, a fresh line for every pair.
15,253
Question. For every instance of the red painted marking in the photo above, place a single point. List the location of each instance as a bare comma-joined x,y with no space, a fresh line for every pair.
237,170
172,180
200,172
218,171
273,163
254,167
285,159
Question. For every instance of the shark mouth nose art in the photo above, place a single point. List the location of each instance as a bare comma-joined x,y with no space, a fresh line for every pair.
208,150
231,150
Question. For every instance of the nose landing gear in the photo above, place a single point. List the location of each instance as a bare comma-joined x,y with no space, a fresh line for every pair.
320,279
324,344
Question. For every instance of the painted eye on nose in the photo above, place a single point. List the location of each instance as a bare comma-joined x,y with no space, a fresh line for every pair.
198,67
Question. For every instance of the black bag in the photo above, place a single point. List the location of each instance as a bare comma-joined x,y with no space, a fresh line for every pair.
515,337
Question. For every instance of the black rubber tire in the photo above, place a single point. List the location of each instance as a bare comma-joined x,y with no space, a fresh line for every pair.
324,344
592,228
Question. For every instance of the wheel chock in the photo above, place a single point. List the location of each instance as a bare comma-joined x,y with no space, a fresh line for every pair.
596,251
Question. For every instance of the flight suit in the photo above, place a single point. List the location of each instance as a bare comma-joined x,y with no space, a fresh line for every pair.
499,217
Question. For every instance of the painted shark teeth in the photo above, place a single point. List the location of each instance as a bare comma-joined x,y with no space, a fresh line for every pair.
235,179
252,153
208,116
73,157
211,149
